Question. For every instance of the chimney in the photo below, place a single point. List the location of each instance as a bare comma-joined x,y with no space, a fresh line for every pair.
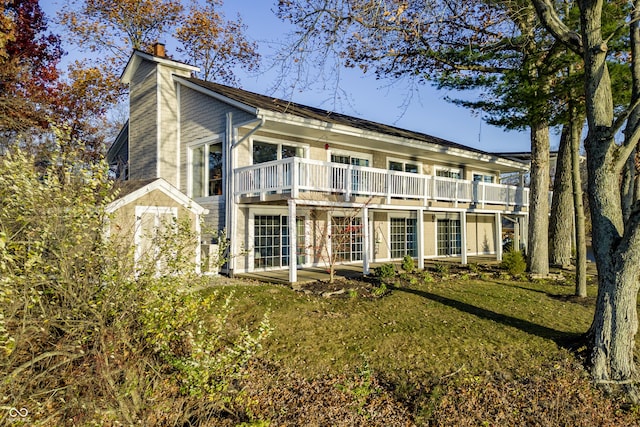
158,49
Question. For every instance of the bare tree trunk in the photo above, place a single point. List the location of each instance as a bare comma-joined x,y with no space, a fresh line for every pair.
538,246
578,206
561,222
616,244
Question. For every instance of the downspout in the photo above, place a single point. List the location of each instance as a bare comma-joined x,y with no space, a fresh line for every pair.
231,214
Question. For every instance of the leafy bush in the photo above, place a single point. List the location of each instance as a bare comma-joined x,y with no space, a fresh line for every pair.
408,264
442,269
83,336
514,263
384,271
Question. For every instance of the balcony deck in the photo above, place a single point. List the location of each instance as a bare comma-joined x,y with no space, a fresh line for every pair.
295,175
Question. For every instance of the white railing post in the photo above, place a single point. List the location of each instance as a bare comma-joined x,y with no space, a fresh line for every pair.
295,175
348,181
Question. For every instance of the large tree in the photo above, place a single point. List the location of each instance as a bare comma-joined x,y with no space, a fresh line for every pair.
215,44
497,48
615,230
29,56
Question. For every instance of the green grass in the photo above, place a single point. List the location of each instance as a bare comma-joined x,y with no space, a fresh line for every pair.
418,334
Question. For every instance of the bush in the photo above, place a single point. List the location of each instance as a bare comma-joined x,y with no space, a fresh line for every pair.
408,264
514,263
82,337
385,271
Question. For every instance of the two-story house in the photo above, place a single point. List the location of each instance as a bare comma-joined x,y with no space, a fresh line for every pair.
291,183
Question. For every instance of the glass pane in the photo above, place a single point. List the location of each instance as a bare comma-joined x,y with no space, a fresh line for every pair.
197,171
395,166
408,167
291,151
215,170
264,152
335,158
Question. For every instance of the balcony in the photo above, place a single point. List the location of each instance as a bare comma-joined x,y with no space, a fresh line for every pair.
296,175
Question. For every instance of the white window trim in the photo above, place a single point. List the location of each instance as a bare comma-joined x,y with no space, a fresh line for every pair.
405,162
358,154
448,169
492,175
251,235
279,143
402,215
215,139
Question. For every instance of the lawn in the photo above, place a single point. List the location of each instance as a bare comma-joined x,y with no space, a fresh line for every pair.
429,341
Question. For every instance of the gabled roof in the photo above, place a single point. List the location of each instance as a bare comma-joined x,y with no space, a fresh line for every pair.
137,56
131,190
263,102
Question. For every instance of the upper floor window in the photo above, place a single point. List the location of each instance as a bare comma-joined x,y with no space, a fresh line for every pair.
267,152
206,170
401,166
481,177
350,159
449,173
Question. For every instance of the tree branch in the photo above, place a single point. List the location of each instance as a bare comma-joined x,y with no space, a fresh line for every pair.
552,22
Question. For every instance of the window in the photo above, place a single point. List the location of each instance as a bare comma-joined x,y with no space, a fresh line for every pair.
403,237
449,237
346,239
206,170
449,173
403,166
272,247
267,152
480,177
348,159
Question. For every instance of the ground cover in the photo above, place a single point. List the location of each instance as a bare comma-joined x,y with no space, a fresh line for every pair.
437,347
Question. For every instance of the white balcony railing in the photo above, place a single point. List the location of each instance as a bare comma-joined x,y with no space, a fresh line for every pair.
295,175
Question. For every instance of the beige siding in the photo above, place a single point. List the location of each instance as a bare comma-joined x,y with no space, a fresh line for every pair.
429,235
143,123
480,234
381,236
169,165
123,223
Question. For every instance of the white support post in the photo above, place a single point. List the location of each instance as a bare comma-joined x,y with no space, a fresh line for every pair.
463,237
420,238
293,243
366,244
499,236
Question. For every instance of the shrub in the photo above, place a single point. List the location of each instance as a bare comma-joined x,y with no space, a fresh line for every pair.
83,337
408,264
384,271
514,263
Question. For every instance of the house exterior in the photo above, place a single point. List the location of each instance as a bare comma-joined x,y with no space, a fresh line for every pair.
294,184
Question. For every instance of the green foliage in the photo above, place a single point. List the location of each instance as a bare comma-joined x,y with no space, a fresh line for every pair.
408,264
442,269
427,277
380,290
83,335
514,262
181,329
385,271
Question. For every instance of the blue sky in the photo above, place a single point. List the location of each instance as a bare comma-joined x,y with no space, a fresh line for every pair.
427,110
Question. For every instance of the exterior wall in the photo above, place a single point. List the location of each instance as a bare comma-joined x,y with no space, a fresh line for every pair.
123,223
481,231
168,131
380,236
143,123
203,118
429,235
